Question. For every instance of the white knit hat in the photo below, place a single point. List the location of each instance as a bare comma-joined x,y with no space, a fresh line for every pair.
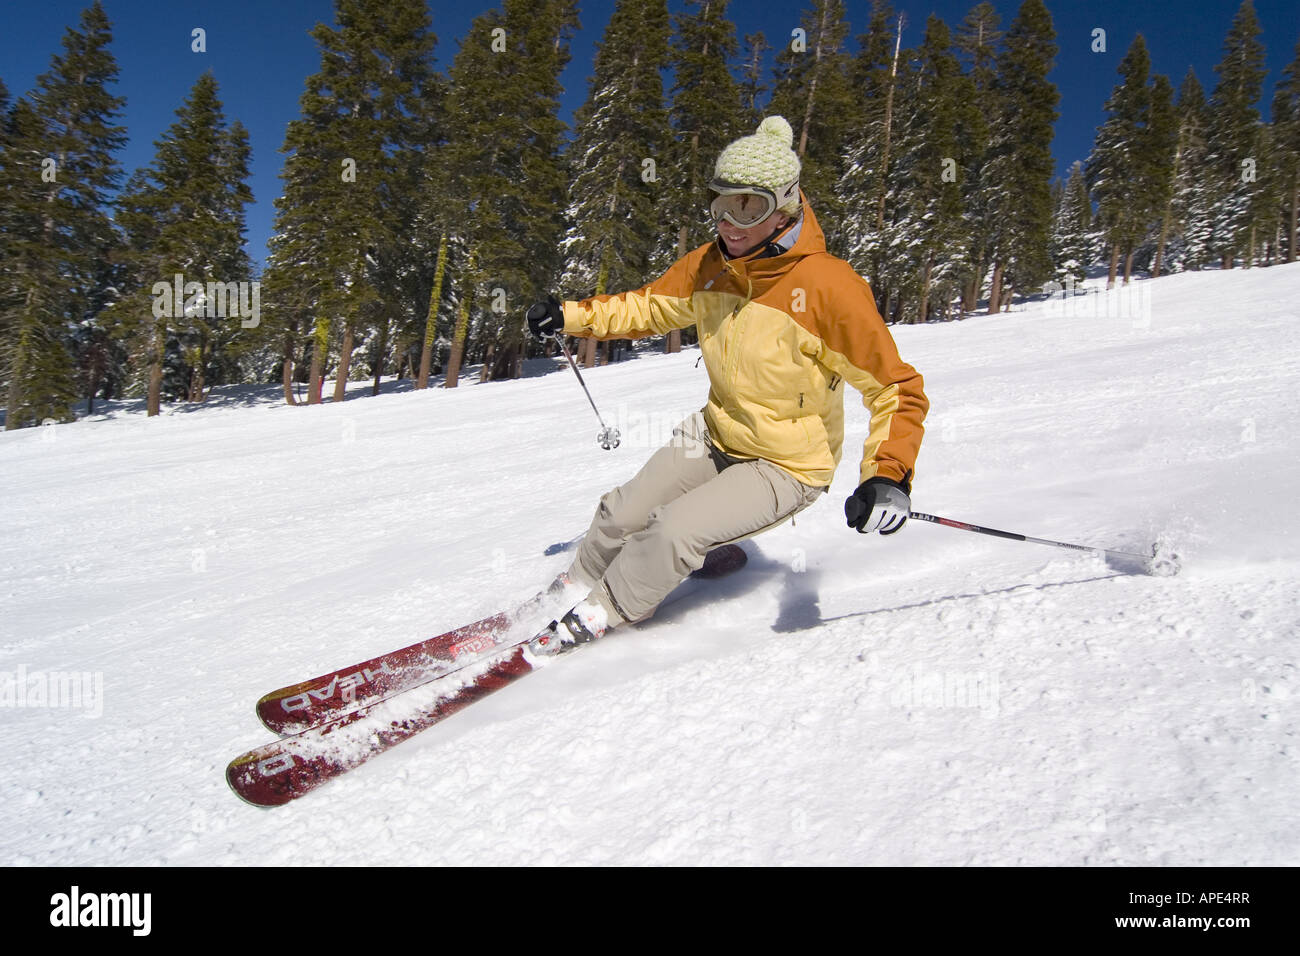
765,159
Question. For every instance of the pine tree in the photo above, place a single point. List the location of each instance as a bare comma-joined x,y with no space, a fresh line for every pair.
925,190
1159,162
8,179
1191,207
622,124
705,115
1130,169
1071,230
5,119
61,154
752,87
185,215
812,90
979,42
1286,139
1019,166
431,230
1112,166
1234,136
508,179
349,153
621,135
862,186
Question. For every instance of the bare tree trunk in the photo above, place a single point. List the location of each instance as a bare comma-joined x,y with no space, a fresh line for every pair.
971,293
153,403
889,120
1128,265
995,289
287,372
925,290
197,375
431,323
345,363
812,86
381,354
1114,265
1291,240
462,328
319,354
1160,247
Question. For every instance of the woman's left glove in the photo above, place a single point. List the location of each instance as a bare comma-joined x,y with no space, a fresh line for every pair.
546,318
879,504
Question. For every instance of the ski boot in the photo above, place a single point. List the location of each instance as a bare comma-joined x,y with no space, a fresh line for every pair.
582,625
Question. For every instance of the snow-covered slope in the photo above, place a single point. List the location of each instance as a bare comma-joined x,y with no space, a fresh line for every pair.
934,697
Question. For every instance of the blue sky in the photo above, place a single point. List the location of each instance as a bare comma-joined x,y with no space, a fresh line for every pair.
261,54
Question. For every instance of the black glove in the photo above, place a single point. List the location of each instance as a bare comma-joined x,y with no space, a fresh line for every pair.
546,319
879,504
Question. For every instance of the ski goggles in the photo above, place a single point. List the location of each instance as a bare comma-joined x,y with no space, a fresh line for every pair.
745,206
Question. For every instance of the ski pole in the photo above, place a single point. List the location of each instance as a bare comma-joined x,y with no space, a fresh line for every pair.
608,437
1151,563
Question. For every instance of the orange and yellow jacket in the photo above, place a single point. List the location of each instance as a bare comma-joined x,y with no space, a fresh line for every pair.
779,334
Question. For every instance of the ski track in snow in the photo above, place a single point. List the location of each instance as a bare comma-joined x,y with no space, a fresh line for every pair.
936,697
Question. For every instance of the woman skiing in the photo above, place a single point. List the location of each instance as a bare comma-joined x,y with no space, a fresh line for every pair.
782,324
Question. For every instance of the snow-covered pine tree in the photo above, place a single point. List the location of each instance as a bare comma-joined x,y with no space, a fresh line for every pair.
978,42
184,214
346,154
1071,230
1286,140
620,137
1234,137
410,260
1112,167
1130,169
812,90
9,179
934,121
430,233
61,155
508,181
862,186
5,199
1159,160
1191,206
705,115
1019,167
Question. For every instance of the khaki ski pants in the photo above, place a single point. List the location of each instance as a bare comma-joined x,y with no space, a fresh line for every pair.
653,531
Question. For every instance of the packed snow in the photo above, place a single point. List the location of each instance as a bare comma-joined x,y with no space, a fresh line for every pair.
934,697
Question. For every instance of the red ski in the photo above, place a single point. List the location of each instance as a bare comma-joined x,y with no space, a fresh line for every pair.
293,709
284,770
377,704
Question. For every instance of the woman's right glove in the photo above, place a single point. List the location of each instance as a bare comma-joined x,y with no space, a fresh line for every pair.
546,318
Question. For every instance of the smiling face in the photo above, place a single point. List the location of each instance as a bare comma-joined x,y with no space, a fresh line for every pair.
738,240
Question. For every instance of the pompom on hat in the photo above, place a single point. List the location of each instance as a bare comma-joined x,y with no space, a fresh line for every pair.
766,160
